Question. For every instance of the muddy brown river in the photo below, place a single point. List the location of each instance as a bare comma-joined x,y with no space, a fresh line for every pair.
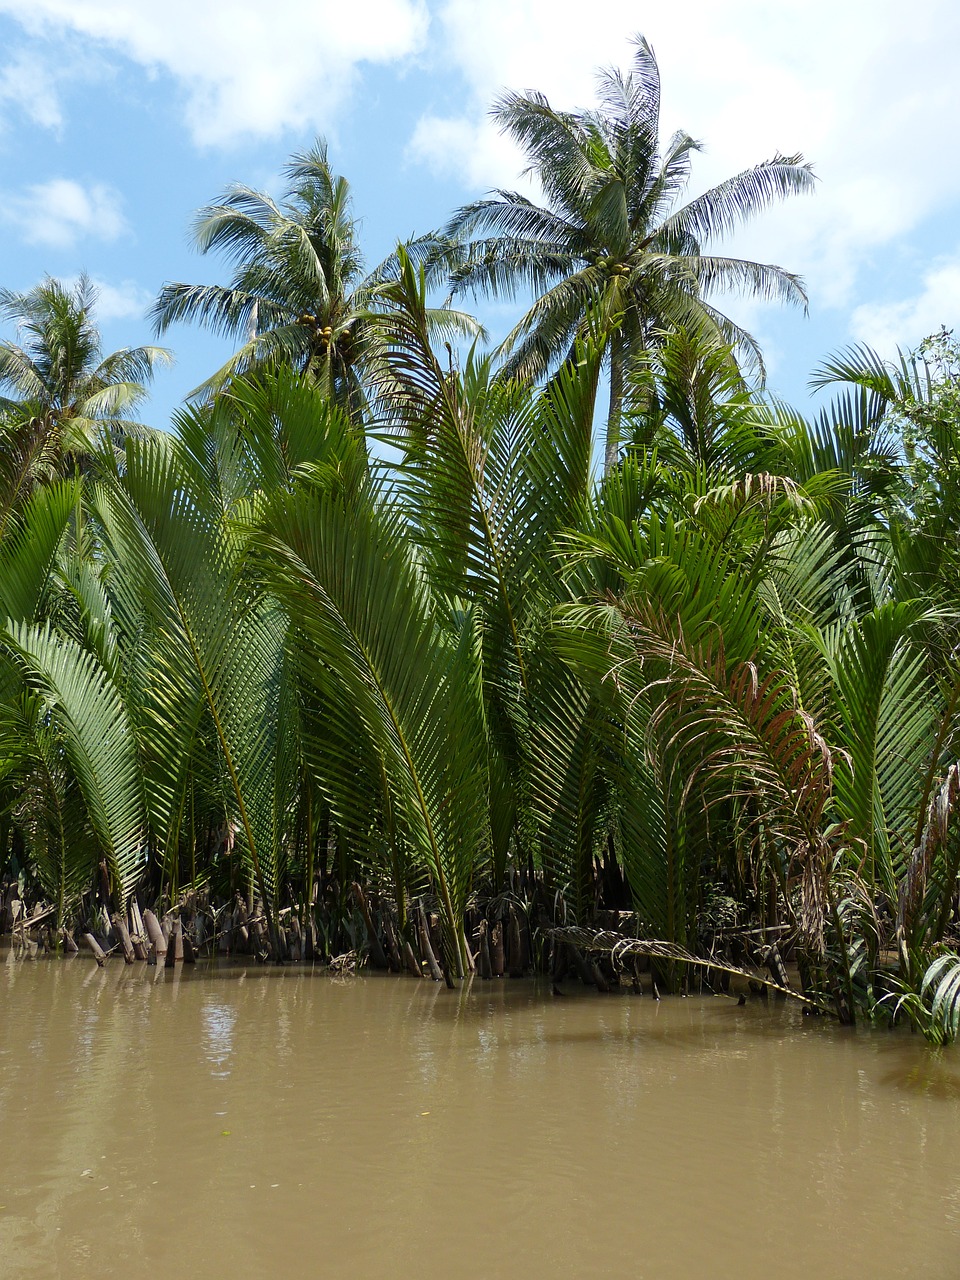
234,1122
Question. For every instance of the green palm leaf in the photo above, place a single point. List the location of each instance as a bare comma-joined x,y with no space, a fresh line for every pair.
99,742
408,683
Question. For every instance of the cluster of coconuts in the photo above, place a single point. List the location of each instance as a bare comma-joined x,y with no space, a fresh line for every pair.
611,265
326,333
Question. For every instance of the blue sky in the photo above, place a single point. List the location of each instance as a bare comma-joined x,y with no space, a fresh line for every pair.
118,120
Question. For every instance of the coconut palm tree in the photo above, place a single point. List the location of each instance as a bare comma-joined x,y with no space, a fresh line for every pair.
65,397
612,240
299,291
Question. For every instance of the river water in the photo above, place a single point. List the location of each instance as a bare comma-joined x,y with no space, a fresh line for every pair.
233,1122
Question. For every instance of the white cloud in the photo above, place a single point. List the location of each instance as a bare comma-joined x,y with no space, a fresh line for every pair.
888,325
35,73
866,91
460,146
27,83
127,300
61,212
247,68
124,301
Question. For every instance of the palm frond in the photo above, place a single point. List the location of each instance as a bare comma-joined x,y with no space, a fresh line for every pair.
99,743
724,208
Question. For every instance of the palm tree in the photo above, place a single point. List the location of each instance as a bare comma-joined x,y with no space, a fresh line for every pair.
612,242
298,294
67,397
490,472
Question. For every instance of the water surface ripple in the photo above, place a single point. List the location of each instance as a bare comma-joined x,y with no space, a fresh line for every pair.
259,1121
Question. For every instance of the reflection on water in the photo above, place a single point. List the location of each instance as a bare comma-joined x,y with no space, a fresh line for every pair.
226,1120
218,1020
930,1077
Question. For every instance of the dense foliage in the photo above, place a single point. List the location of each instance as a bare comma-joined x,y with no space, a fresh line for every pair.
367,616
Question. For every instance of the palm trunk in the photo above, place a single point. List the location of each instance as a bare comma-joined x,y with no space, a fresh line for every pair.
615,415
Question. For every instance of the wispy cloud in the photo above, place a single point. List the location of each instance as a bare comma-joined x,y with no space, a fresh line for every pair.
61,212
247,69
27,84
464,147
904,323
127,300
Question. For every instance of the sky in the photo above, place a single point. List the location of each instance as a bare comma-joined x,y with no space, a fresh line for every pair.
118,120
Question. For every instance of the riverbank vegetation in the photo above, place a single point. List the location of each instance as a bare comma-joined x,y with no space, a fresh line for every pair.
391,647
